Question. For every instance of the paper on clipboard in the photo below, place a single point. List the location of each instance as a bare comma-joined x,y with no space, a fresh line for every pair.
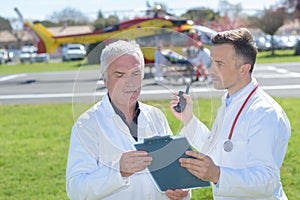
165,168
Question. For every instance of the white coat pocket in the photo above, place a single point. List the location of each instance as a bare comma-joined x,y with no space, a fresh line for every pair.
237,157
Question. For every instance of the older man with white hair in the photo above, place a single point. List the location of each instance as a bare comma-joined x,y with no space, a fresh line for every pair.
102,162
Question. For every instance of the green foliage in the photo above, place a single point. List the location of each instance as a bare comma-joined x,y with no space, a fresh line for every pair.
290,172
34,142
35,138
199,15
5,24
101,22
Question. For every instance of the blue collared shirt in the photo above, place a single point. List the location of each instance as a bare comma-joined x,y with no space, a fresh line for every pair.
229,99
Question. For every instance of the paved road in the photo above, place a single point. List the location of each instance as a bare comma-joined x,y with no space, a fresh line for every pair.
279,80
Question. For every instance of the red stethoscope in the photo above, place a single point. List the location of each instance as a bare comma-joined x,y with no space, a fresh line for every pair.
228,146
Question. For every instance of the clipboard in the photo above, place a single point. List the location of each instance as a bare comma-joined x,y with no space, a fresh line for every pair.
165,168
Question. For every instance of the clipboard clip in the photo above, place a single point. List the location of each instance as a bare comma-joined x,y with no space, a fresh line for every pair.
158,139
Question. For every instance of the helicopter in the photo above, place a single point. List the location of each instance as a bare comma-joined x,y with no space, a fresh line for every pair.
148,27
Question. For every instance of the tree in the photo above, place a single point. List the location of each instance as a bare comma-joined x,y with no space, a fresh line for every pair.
226,8
99,22
5,24
270,21
292,6
112,20
69,16
199,15
228,16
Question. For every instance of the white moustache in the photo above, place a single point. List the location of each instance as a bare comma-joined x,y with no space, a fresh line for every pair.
130,90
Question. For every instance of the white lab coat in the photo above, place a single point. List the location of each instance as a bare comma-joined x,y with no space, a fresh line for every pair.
98,139
260,138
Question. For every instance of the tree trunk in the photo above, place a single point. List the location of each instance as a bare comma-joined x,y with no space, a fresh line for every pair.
273,45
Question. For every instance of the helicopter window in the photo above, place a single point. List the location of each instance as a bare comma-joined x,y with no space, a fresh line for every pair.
111,28
166,40
154,40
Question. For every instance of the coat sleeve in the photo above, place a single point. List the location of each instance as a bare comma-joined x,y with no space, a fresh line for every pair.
86,178
197,134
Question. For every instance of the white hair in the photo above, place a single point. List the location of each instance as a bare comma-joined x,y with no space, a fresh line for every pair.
116,49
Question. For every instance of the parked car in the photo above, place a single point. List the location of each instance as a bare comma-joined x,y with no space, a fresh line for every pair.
4,57
42,57
29,54
73,52
263,43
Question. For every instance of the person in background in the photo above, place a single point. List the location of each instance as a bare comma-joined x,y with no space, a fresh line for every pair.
159,62
102,161
198,55
202,61
243,152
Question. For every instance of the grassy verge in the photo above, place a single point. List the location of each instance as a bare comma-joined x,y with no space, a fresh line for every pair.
280,56
34,140
44,67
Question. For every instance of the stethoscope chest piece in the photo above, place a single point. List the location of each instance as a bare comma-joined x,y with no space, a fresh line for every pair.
228,146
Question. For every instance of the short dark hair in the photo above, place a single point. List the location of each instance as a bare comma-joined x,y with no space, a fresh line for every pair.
243,44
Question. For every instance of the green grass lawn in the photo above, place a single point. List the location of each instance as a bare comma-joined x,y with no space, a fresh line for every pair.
44,67
281,56
34,142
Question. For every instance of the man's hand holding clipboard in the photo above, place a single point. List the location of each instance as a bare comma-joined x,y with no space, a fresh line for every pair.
165,167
